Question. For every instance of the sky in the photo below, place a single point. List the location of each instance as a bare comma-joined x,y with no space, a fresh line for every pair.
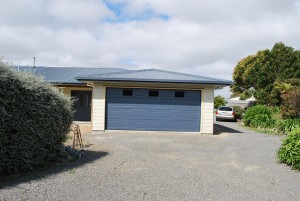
206,38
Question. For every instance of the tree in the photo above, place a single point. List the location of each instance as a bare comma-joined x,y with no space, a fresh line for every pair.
219,101
258,74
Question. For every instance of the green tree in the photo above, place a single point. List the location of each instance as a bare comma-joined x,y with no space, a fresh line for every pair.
263,75
219,101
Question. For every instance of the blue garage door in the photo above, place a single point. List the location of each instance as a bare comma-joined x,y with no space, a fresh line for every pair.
153,110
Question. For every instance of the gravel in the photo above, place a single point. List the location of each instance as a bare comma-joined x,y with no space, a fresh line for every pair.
235,164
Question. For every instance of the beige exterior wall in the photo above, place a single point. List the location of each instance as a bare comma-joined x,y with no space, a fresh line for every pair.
207,110
67,90
99,93
98,107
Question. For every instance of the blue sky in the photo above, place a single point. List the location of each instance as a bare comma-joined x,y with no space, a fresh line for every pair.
206,38
120,16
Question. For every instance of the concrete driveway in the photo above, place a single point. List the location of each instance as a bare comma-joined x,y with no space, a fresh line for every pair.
235,164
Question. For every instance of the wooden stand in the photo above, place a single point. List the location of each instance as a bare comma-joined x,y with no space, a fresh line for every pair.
77,140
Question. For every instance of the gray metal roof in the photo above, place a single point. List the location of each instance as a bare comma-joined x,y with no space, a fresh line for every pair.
154,75
65,75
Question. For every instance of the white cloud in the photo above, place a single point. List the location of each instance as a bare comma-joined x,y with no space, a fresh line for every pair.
22,13
83,12
201,37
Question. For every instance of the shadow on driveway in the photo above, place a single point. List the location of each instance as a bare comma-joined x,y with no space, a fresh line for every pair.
90,156
219,129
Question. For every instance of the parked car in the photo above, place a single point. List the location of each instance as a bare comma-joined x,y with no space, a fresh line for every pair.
225,113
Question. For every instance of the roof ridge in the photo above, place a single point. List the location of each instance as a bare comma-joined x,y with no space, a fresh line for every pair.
187,74
154,69
127,71
119,72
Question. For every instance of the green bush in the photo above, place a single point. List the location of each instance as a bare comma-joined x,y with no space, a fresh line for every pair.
35,119
290,105
238,111
259,116
287,125
263,121
289,151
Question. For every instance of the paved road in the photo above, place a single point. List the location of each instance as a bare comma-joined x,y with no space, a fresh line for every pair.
235,164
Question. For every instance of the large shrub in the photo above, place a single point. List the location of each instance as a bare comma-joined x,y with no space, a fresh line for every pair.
259,116
35,118
289,152
290,105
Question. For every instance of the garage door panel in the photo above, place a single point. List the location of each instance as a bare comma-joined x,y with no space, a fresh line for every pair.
191,95
164,112
139,93
165,94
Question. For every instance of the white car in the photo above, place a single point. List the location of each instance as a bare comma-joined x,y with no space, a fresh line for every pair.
225,113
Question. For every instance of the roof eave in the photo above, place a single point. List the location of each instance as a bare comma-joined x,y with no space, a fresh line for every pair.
220,83
67,83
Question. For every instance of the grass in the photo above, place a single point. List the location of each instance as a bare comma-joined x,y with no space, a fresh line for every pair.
259,130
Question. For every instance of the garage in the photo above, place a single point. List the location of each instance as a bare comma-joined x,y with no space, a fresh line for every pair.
153,100
153,109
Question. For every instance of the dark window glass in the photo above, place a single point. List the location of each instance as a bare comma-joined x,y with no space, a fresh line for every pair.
153,93
225,109
84,100
127,92
179,94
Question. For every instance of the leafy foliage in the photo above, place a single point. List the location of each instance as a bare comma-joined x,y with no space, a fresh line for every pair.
287,125
290,105
35,118
257,74
289,152
263,121
259,116
269,119
219,101
238,111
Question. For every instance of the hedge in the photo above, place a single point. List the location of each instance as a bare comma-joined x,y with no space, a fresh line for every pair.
34,122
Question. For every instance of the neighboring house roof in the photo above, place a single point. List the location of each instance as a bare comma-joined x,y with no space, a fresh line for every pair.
241,103
154,75
237,99
65,75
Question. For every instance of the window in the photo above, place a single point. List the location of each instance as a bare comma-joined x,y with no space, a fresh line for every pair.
127,92
84,100
179,94
228,109
153,93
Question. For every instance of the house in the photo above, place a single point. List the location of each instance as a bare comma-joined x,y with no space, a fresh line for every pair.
148,99
236,101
